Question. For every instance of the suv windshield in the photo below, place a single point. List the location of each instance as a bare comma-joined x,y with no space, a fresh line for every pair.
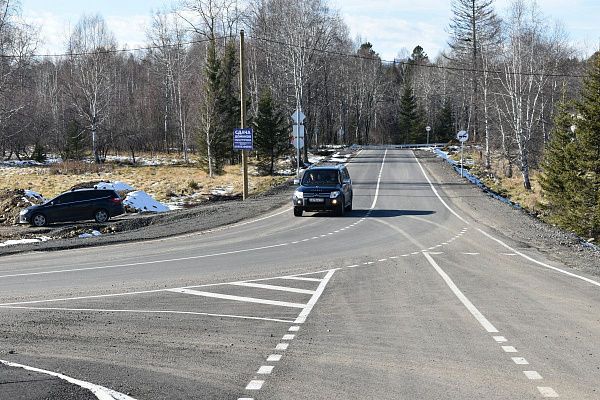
320,177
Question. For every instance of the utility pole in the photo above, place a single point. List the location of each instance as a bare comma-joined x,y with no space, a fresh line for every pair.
243,112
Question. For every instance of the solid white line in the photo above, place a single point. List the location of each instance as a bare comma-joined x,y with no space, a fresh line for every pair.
294,328
61,271
547,391
533,375
487,325
562,271
255,385
509,349
378,183
107,310
274,287
313,300
436,192
100,392
265,370
246,398
274,357
500,339
282,346
288,337
299,278
520,361
238,298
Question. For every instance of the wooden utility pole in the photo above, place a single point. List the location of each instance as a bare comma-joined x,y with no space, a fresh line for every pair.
243,112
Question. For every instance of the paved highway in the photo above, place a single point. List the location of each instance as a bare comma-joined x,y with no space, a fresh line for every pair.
407,297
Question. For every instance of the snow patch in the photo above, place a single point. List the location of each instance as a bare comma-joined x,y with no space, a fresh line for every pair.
89,235
116,185
141,201
24,241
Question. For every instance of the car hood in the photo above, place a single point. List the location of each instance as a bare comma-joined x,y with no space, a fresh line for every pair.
317,189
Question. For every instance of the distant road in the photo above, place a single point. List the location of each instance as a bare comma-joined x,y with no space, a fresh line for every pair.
407,297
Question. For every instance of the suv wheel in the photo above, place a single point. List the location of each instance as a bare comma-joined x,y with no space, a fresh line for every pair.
340,210
39,220
101,216
297,211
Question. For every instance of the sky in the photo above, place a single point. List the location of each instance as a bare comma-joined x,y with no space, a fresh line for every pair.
392,26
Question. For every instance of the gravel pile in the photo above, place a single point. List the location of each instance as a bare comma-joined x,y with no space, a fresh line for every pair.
516,224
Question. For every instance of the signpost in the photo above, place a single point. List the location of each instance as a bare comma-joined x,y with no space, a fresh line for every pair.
298,140
428,129
243,139
462,136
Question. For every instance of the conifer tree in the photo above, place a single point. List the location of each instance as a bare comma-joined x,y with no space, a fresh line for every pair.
408,114
271,138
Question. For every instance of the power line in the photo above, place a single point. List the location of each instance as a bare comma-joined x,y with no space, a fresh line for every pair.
412,64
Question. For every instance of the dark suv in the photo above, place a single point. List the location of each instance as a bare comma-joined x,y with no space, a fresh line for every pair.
324,188
76,205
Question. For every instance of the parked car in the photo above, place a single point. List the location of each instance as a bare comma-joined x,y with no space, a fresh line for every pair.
324,188
76,205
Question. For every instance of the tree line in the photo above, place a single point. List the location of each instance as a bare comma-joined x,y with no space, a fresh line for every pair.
500,78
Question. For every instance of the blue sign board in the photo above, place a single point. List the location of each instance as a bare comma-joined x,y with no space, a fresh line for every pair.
243,139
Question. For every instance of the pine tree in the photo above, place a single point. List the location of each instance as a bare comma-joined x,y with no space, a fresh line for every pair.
588,143
444,126
560,180
271,138
228,104
411,123
74,141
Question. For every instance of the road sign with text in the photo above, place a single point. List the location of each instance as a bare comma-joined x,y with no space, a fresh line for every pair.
243,139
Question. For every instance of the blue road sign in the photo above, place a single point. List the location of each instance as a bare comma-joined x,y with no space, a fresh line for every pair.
243,139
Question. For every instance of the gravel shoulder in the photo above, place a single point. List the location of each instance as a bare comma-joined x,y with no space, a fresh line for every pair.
155,226
528,231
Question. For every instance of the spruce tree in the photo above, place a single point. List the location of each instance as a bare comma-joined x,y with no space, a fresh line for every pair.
271,138
408,114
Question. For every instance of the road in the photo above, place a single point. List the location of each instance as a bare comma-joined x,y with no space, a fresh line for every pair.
407,297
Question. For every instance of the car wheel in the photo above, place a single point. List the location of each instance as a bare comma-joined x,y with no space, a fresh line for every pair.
39,220
340,210
297,211
101,216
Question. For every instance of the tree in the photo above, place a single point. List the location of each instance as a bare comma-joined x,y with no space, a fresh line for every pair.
271,138
408,117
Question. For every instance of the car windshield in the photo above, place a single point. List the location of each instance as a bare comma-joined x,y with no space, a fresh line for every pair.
320,177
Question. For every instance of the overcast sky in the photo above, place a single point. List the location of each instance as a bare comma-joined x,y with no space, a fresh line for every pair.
390,25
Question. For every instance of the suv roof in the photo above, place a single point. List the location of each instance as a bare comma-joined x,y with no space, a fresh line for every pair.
328,166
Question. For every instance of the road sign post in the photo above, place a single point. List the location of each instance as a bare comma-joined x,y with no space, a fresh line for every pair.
298,141
462,136
428,129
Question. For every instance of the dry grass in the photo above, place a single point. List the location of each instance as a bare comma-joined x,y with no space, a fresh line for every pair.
160,181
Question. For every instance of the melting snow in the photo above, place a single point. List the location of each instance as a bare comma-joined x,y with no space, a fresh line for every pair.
116,185
89,235
24,241
143,202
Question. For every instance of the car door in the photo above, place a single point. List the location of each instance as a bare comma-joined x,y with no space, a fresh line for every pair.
61,208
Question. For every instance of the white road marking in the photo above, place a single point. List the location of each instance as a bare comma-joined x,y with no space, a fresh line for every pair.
509,349
282,346
245,398
533,375
382,260
487,325
509,254
288,337
274,357
294,328
405,255
305,240
299,278
393,257
471,254
562,271
436,192
378,183
107,310
547,391
500,339
352,266
238,298
274,287
315,237
255,385
313,300
436,253
520,361
100,392
265,370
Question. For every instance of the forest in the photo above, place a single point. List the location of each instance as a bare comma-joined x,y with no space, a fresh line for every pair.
501,78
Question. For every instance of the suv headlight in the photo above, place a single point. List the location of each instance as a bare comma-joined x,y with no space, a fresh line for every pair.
335,194
298,194
23,212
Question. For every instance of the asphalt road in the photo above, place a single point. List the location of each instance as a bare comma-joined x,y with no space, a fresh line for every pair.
407,297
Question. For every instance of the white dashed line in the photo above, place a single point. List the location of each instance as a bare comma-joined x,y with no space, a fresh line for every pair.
520,361
533,375
500,339
255,385
382,260
274,357
547,391
282,346
393,257
265,370
509,349
288,337
294,328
